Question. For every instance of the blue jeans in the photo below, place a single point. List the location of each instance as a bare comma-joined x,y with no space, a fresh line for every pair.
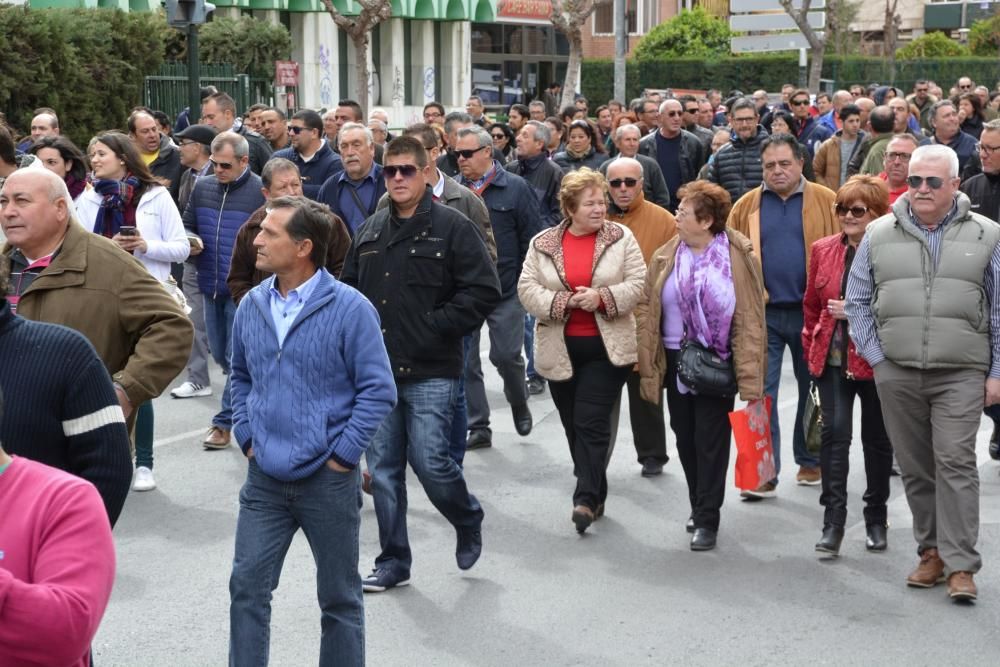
784,327
529,346
417,430
460,422
325,506
219,314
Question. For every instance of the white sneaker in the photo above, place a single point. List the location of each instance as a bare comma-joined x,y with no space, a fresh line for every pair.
143,479
190,390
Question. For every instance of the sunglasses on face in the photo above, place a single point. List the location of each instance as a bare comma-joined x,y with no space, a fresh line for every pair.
856,211
404,170
296,130
499,136
221,165
799,103
628,182
690,111
672,114
469,152
933,182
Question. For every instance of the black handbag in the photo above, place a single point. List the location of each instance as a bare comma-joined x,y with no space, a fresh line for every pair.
705,372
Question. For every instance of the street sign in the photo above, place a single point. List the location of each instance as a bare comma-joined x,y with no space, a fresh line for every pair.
747,6
788,41
771,22
286,73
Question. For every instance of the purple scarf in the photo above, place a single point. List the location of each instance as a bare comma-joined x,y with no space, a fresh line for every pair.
706,294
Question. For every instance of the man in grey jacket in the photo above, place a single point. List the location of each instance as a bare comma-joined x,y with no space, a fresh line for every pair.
923,311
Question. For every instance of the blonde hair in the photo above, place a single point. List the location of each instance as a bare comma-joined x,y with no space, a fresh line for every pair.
575,183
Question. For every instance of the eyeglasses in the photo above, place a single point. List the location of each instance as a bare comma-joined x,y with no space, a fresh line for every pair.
965,87
469,152
856,211
628,182
672,114
221,165
404,170
294,129
748,119
902,157
799,103
987,150
500,135
933,182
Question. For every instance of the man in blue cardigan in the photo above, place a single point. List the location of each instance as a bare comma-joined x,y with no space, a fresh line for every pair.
311,384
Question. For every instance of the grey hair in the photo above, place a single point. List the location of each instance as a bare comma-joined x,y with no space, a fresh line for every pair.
350,127
743,103
992,126
937,106
479,133
237,142
936,153
542,131
379,125
454,118
276,165
628,127
536,104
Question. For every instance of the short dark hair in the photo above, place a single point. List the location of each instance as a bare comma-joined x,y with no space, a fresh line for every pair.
134,115
520,109
310,119
709,201
359,113
279,112
406,145
882,119
257,107
849,110
568,112
8,154
311,221
456,117
684,99
222,100
782,139
435,105
427,135
797,92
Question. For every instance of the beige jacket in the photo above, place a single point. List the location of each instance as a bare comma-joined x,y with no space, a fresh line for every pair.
618,276
748,333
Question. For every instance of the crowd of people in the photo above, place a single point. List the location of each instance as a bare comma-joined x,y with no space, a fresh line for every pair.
340,271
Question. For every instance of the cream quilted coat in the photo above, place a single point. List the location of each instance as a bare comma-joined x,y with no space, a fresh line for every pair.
619,275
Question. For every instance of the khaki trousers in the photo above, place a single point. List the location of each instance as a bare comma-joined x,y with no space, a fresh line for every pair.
932,418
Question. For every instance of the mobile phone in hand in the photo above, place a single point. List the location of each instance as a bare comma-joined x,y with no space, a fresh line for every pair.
127,230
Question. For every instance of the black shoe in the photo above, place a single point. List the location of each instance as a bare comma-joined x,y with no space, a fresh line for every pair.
877,538
703,539
995,444
536,385
522,419
829,543
599,512
651,467
583,516
469,547
689,526
479,440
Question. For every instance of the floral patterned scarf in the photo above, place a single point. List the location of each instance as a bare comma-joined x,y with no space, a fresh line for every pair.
707,294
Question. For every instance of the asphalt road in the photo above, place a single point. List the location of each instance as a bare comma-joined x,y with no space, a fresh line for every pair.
629,592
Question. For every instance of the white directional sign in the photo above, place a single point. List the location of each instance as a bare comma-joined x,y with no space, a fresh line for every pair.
747,6
768,22
776,42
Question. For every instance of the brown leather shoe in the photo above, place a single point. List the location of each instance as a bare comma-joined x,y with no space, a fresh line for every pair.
930,571
961,586
217,438
809,476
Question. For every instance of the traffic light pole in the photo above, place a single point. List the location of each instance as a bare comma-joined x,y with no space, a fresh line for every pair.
194,75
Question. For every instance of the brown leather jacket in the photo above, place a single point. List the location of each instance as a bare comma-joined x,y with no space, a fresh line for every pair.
748,334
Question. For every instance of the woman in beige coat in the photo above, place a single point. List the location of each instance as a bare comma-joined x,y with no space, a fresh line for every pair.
704,285
581,280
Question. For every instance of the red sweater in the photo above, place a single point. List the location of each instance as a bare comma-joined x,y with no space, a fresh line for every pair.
578,253
57,566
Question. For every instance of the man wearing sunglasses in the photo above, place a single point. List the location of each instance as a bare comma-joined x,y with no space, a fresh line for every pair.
923,311
809,131
219,206
426,270
679,153
315,159
654,186
516,218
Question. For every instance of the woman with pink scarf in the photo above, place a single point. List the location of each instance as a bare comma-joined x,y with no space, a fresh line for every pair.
704,286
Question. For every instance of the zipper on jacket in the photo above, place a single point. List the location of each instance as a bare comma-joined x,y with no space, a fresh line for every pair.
218,234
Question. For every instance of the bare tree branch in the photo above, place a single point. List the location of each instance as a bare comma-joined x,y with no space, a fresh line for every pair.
358,29
568,17
817,44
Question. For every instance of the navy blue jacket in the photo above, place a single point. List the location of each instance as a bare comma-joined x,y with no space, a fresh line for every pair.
568,163
516,218
811,134
215,212
329,194
324,164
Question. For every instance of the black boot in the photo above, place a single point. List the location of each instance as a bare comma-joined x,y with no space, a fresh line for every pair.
703,539
876,537
995,443
829,543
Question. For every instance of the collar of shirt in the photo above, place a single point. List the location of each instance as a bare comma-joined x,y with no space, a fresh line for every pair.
284,309
370,176
938,227
438,188
478,183
799,190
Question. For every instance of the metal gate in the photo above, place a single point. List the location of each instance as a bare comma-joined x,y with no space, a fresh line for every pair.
168,90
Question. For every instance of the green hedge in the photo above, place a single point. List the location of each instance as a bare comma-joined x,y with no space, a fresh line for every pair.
748,73
88,64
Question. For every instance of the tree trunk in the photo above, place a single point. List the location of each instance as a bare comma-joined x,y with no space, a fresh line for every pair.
575,37
360,39
816,45
815,69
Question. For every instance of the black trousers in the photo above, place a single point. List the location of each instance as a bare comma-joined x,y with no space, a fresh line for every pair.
649,432
584,403
701,427
836,395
